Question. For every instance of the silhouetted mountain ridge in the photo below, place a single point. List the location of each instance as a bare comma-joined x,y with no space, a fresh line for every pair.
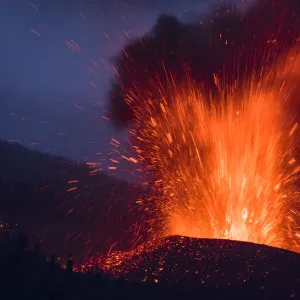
20,163
80,215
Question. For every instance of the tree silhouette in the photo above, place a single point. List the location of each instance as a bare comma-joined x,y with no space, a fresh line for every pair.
21,242
70,263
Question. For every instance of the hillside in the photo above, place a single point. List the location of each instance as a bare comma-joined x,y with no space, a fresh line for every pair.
209,263
77,216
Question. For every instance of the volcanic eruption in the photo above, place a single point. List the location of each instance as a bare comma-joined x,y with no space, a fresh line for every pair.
212,109
215,127
225,169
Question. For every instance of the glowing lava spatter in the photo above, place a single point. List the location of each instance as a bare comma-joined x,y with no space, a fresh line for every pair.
223,167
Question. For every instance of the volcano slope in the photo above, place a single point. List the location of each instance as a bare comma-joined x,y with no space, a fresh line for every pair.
191,263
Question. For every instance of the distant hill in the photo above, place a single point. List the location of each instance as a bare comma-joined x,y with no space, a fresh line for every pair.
59,200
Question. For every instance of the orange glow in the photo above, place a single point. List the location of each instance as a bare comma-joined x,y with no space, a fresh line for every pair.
222,168
72,189
73,181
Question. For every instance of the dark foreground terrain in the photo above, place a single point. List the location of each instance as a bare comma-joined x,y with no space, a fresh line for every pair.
269,273
190,262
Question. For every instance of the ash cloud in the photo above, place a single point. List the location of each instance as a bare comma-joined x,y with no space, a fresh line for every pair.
228,39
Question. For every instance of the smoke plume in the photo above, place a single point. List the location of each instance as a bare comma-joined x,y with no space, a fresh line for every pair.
228,43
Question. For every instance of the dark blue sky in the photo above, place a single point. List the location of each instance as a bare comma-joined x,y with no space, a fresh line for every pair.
55,68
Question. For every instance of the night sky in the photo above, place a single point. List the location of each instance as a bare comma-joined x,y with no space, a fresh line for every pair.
56,69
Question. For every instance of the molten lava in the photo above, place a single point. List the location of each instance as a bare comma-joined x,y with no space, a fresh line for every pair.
223,166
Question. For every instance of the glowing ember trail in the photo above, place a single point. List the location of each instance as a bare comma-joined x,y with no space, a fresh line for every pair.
224,166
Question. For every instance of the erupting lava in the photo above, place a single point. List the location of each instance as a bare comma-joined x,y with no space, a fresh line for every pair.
224,168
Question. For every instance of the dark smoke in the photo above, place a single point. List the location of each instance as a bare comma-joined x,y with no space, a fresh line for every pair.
226,40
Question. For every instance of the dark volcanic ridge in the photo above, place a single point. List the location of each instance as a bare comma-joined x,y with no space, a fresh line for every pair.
191,262
73,208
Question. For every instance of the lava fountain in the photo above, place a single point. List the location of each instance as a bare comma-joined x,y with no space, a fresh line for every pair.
222,165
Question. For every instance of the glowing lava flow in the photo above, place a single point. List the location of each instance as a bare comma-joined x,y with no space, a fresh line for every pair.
222,169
